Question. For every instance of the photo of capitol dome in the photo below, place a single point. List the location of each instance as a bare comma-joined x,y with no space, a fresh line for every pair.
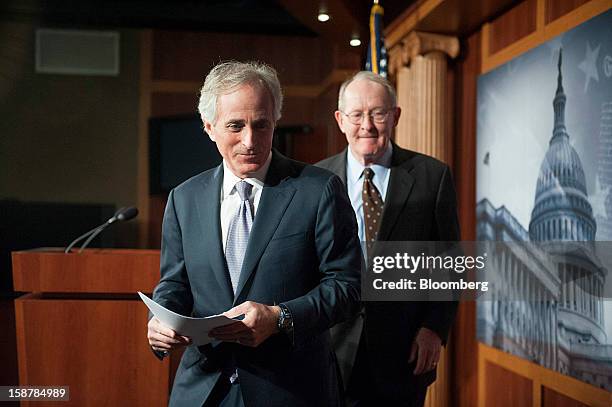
545,178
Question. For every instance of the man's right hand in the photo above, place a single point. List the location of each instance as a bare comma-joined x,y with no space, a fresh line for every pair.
162,338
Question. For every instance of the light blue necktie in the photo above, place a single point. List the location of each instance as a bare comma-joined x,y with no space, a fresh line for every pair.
238,234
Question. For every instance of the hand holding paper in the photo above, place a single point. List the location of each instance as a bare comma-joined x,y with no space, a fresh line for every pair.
260,321
195,329
161,338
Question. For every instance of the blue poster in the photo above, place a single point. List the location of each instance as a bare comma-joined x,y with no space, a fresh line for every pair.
544,174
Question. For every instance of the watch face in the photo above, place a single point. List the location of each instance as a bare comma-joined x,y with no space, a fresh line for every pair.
284,323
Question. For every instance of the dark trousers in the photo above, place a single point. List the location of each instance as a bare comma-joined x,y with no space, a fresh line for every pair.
362,390
225,394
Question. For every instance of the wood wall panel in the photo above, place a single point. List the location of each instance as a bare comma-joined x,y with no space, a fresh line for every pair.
188,56
157,206
308,147
515,24
346,58
170,104
559,8
551,398
544,32
505,388
297,111
327,103
144,114
468,69
464,371
541,378
464,367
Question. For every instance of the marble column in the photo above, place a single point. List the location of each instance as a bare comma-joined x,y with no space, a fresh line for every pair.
515,314
601,303
591,296
582,287
419,66
570,285
549,340
566,286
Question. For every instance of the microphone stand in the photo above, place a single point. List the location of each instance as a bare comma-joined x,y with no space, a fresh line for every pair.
123,214
95,231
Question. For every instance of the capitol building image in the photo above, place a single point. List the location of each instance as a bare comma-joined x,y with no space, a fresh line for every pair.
550,308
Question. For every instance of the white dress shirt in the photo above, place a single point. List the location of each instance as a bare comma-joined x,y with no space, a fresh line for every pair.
354,182
230,200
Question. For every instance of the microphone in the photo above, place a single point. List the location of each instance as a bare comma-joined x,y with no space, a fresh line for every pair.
122,215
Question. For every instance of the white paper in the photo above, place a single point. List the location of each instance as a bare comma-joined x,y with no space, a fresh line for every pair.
195,328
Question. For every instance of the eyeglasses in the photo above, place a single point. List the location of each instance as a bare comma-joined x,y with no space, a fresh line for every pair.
377,116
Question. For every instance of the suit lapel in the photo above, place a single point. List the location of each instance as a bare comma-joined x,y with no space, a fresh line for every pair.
275,198
401,182
338,165
208,204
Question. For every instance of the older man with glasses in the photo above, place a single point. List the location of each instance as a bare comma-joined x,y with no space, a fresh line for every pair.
389,352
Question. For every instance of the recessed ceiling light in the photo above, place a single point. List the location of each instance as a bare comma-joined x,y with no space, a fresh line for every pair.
355,42
323,17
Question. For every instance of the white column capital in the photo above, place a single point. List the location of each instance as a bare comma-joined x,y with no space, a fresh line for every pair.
418,43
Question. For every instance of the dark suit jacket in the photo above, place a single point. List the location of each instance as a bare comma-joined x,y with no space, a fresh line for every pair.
303,251
420,205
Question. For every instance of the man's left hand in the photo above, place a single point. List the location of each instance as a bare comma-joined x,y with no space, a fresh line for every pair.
260,321
426,350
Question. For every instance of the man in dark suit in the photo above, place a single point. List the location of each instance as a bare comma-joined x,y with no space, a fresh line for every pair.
261,236
389,353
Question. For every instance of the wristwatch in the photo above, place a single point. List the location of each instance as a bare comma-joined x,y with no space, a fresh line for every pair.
285,320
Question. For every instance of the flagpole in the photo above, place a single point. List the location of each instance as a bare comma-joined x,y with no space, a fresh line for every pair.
377,55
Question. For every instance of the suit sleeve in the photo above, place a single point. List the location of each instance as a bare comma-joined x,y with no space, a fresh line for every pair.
440,315
173,290
337,295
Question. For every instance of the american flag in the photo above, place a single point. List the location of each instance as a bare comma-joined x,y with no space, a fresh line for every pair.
377,54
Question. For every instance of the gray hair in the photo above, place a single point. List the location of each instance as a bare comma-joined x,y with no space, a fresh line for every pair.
226,77
367,76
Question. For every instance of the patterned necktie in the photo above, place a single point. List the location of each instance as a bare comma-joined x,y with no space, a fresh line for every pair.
238,234
372,207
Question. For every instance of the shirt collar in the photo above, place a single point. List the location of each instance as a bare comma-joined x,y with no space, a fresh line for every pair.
256,179
354,168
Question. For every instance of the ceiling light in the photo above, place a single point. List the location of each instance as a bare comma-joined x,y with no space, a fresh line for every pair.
355,42
323,17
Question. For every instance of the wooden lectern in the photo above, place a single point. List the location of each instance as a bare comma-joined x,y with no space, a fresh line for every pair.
82,325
